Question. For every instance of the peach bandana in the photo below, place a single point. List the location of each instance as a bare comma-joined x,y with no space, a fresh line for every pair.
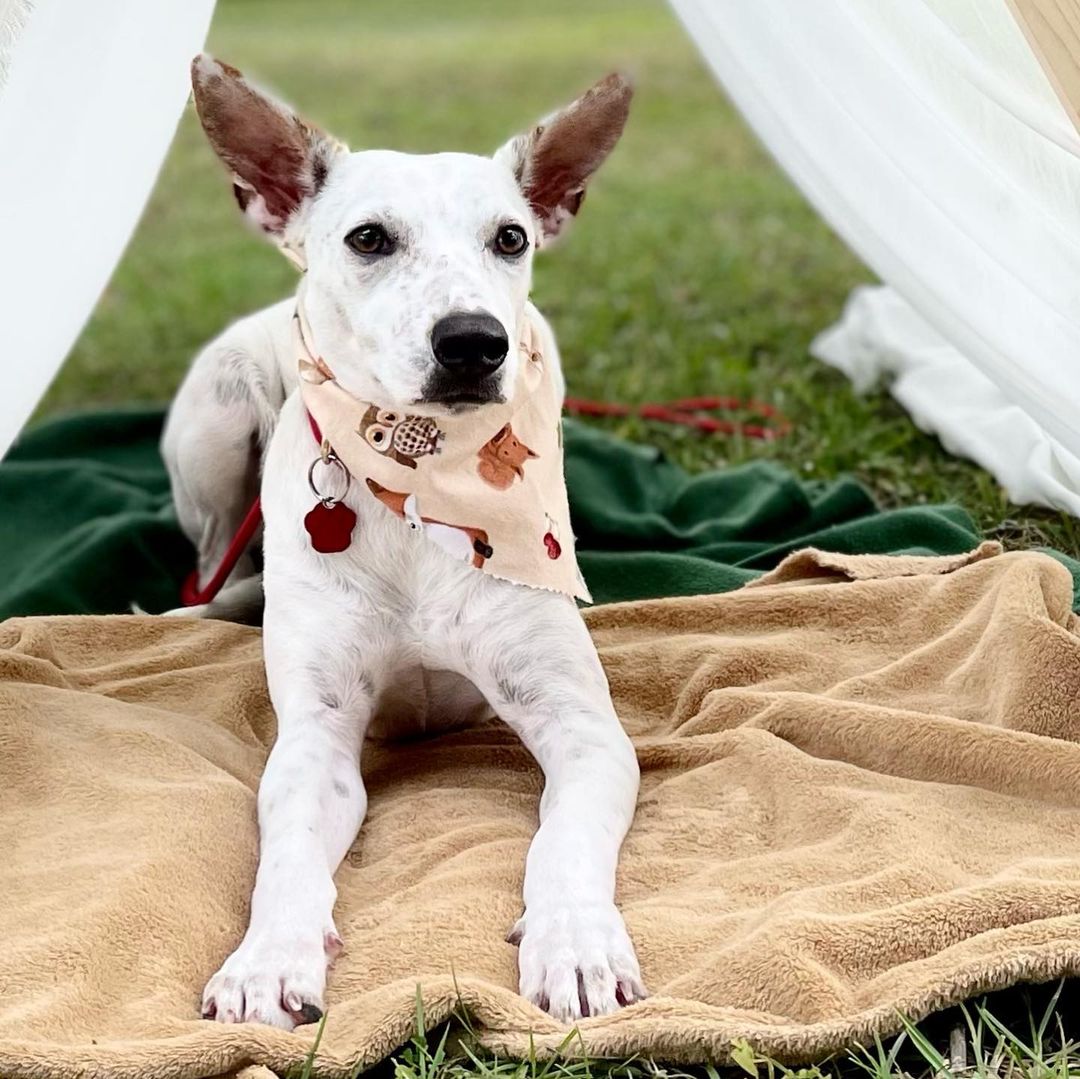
486,486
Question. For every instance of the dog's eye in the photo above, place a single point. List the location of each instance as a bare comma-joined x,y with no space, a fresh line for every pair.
370,239
511,240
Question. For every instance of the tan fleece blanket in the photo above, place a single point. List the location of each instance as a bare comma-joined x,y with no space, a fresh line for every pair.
861,795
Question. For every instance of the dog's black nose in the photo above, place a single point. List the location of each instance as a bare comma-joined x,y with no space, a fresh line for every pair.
470,344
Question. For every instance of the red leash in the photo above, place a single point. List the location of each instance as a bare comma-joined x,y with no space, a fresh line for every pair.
686,412
190,593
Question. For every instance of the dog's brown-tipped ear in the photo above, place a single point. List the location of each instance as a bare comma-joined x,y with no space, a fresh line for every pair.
554,162
277,160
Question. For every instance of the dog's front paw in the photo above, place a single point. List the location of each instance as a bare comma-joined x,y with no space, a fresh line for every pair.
576,961
274,977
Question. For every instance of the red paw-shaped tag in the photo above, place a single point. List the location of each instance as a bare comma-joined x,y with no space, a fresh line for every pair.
330,527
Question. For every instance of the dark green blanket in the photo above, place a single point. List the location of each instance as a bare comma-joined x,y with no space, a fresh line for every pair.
86,524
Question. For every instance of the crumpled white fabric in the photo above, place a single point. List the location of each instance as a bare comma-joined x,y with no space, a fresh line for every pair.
929,137
881,338
90,94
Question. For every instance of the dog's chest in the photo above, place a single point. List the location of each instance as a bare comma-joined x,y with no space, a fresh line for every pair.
403,603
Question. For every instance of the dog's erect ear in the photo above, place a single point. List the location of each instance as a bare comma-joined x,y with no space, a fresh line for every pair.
276,159
554,161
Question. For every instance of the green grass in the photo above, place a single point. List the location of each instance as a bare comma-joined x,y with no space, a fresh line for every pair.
695,268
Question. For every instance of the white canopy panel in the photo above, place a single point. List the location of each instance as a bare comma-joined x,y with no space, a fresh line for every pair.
90,93
928,136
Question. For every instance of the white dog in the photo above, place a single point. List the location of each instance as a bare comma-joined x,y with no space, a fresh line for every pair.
417,276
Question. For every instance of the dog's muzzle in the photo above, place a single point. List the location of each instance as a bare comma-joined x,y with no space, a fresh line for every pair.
469,347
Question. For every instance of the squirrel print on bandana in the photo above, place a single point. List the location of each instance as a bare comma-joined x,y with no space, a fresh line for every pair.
502,458
465,544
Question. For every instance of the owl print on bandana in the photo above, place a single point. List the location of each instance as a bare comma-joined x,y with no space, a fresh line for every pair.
400,437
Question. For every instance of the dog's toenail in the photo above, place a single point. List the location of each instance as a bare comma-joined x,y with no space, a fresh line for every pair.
210,1011
308,1013
515,935
333,945
583,998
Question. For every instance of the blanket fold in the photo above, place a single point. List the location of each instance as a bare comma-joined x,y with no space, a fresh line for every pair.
858,798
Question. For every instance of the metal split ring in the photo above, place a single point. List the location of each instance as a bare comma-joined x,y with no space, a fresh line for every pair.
330,459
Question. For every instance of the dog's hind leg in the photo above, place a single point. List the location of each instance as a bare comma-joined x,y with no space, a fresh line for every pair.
536,664
212,448
238,601
214,437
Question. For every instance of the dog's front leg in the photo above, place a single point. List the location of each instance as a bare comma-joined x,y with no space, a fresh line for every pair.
311,804
537,665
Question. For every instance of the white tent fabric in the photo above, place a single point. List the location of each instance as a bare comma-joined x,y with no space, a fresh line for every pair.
928,136
89,99
882,335
13,17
